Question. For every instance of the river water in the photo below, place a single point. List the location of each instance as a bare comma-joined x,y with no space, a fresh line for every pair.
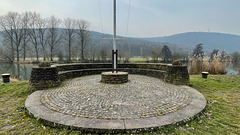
23,71
20,71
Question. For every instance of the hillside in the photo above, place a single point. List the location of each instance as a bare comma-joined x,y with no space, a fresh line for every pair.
183,42
210,40
133,45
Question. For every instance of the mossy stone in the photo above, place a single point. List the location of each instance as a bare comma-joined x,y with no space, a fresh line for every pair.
44,64
176,62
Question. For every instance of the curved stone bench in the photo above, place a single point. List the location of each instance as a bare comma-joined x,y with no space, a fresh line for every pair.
175,74
42,78
78,73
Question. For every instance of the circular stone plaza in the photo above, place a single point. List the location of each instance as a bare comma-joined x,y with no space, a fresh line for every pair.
143,103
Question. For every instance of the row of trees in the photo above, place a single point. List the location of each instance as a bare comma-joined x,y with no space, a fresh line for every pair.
198,53
29,30
166,54
29,35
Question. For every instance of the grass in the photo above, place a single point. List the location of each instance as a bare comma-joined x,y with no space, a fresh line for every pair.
133,59
40,59
13,119
221,116
136,59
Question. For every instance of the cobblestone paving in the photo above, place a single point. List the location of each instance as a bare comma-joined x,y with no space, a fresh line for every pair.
141,97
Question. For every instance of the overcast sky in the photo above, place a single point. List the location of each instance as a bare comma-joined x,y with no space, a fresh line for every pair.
148,18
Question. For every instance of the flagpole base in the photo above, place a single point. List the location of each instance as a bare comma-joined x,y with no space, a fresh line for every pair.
114,78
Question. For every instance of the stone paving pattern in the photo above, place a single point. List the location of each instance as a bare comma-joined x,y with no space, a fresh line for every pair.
142,97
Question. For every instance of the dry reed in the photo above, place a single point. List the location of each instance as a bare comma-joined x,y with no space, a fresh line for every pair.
215,66
12,79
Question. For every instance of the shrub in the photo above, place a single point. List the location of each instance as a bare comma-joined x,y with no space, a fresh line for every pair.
44,64
176,62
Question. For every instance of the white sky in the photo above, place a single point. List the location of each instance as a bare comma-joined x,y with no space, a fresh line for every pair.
148,18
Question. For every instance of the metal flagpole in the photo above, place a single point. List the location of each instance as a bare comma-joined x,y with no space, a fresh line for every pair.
114,37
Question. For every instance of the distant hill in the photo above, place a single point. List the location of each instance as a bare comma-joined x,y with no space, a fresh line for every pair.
133,45
210,40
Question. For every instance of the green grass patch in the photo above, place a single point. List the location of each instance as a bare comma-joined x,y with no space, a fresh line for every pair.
223,95
141,59
13,119
221,116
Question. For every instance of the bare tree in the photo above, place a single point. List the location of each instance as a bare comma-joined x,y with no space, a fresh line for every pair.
126,55
13,31
25,21
120,52
33,32
18,31
93,52
156,53
103,53
41,25
83,36
9,46
54,35
69,34
145,54
75,49
178,55
1,53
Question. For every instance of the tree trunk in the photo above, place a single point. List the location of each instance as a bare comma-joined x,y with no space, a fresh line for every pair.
43,52
82,54
69,50
51,54
12,51
93,56
24,49
18,53
37,53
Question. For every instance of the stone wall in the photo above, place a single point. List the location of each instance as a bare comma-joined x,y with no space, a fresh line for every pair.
176,74
46,77
78,66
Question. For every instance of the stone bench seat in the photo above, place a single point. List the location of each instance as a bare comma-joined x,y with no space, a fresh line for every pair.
82,72
54,75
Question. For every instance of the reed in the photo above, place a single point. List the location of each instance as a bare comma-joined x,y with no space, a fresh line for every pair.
196,67
214,66
217,66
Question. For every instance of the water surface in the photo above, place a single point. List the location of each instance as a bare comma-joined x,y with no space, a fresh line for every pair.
23,71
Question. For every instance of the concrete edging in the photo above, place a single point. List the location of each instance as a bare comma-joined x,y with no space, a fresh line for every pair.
35,108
